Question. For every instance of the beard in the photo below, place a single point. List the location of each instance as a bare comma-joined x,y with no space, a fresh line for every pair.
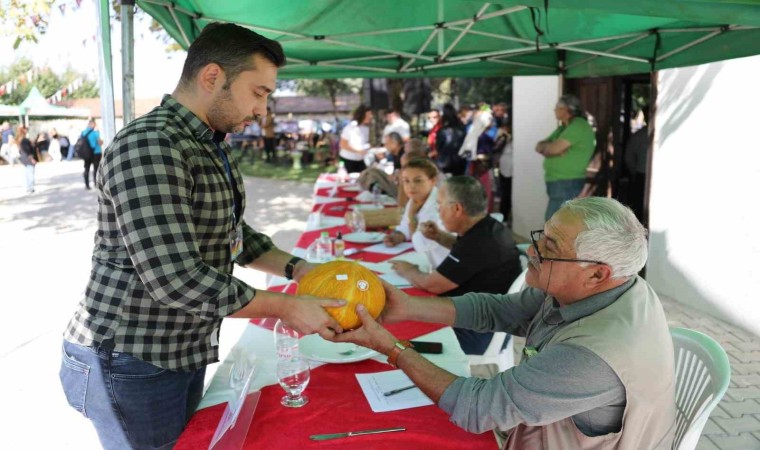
222,115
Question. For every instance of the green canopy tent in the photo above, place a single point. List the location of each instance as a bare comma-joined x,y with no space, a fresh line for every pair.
35,105
466,38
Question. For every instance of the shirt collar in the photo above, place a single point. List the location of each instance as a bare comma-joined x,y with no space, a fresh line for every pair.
590,305
196,125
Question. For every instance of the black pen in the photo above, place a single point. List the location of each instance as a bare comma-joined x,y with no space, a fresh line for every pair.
396,391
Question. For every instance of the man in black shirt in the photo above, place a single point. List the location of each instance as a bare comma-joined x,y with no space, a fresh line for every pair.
483,255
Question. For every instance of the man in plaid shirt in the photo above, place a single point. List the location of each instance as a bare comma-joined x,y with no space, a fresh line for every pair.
170,204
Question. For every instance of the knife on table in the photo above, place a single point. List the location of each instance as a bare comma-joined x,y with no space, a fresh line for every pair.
324,437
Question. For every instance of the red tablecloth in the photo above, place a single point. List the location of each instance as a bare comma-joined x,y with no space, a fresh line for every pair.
336,405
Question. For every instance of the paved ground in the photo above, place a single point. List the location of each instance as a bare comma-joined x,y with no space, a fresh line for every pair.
45,245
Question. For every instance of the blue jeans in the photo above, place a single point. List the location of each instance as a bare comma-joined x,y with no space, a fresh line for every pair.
131,403
561,191
29,175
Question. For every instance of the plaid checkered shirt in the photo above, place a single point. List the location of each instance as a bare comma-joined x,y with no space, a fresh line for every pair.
161,278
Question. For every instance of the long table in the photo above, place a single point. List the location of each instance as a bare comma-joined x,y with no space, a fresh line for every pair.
337,403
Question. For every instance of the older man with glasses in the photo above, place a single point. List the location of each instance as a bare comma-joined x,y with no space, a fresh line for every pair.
597,370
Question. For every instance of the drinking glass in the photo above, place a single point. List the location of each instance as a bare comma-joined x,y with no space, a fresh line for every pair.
293,375
357,222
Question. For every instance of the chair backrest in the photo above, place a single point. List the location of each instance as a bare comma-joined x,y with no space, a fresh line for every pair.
702,376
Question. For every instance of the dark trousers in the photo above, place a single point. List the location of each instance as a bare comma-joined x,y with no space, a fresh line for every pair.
505,205
475,343
353,166
269,149
94,162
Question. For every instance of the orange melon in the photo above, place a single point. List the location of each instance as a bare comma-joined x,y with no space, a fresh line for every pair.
345,280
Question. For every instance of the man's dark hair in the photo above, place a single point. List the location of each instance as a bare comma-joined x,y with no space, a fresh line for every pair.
230,46
360,112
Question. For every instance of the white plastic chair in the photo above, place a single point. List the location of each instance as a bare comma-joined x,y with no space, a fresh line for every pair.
494,354
702,376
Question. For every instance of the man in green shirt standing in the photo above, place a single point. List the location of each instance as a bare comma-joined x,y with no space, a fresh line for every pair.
567,151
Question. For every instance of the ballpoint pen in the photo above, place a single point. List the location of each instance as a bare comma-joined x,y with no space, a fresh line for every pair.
399,390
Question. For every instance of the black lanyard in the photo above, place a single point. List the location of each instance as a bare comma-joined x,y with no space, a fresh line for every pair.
228,169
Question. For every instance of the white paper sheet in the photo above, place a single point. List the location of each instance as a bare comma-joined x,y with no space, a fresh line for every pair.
375,384
395,279
319,200
385,250
415,258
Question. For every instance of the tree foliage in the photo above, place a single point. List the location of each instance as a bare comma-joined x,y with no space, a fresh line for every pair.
47,81
329,88
24,19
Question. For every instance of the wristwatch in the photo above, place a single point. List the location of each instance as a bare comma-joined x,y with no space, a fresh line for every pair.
290,266
398,347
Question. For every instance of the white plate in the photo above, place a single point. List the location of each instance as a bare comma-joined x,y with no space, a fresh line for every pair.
364,207
315,348
351,188
364,237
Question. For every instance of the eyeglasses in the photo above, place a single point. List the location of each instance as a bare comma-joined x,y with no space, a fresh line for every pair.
536,235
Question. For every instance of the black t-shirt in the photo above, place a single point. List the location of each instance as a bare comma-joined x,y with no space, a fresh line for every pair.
484,259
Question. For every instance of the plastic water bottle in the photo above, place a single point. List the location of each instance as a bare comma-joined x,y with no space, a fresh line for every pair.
339,246
285,341
377,195
324,247
342,173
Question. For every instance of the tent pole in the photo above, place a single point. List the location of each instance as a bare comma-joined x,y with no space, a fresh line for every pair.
127,60
611,49
689,45
470,23
608,55
422,49
105,69
497,36
441,43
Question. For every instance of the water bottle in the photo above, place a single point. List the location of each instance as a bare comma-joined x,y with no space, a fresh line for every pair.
285,341
324,247
339,246
342,173
377,195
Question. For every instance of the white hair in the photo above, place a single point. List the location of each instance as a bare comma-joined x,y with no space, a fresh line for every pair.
613,235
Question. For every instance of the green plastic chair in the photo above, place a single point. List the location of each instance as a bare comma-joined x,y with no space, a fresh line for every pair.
702,376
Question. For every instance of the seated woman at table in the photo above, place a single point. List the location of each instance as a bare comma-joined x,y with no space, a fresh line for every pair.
418,178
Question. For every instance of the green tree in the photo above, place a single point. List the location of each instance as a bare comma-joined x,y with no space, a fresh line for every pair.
329,88
47,81
24,19
489,90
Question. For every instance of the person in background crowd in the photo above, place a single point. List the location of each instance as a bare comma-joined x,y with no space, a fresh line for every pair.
8,148
434,117
171,204
396,124
41,144
598,366
27,156
54,148
354,140
481,254
267,129
93,137
636,154
448,141
504,153
567,151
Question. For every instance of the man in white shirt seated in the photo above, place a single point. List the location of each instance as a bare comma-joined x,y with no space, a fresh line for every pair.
396,125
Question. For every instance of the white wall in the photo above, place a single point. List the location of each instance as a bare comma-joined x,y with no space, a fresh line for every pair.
533,120
704,207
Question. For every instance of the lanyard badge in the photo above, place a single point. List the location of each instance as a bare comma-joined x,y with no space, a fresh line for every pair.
235,235
236,241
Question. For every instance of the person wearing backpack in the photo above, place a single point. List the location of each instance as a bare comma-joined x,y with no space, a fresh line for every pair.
91,156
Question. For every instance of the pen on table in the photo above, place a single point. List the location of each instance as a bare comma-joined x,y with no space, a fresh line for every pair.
399,390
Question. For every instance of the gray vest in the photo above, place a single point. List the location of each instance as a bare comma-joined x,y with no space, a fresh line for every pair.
632,337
